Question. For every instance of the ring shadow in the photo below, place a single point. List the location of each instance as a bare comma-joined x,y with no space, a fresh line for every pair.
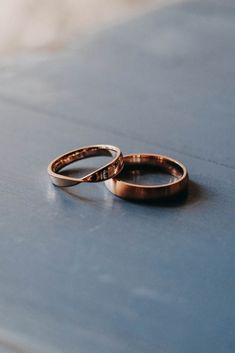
194,194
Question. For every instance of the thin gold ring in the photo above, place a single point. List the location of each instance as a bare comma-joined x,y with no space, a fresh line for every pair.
109,170
133,191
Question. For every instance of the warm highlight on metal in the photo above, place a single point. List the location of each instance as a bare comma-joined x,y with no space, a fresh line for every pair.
133,191
109,170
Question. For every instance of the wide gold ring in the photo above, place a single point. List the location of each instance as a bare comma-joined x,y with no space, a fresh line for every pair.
109,170
156,162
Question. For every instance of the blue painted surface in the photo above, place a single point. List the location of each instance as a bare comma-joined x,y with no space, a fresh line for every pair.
83,271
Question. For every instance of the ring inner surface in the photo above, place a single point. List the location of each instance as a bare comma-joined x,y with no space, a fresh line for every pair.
85,153
149,170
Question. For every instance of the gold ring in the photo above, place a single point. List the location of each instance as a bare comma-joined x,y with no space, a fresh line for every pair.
158,162
110,170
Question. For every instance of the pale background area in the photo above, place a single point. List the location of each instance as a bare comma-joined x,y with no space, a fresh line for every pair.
33,24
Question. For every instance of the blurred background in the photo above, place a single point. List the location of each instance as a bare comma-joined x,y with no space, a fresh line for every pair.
33,24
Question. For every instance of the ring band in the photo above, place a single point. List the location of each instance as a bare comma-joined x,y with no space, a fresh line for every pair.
110,170
133,191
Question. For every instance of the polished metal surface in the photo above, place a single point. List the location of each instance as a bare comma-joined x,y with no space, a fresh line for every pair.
108,171
128,190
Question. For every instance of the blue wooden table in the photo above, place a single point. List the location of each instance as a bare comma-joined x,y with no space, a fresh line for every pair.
82,270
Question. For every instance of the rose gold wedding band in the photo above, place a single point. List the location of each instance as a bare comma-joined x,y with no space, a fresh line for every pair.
109,170
158,162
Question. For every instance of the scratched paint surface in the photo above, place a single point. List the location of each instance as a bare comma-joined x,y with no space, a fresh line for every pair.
81,270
